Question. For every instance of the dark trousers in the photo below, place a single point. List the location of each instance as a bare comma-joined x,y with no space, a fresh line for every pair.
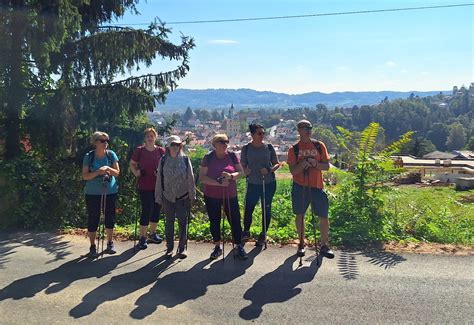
150,209
252,196
93,204
179,209
214,206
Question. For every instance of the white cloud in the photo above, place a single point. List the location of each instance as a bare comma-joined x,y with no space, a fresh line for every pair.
342,68
390,64
424,73
223,41
404,71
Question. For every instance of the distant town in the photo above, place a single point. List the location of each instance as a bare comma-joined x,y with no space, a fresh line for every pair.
448,166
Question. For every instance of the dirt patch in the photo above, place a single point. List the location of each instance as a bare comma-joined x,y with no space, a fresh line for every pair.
82,232
284,175
429,248
467,198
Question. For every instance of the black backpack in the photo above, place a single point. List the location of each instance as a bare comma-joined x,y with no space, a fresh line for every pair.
316,143
162,165
232,156
245,149
108,154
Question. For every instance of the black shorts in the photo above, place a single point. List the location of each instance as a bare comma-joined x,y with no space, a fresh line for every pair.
301,196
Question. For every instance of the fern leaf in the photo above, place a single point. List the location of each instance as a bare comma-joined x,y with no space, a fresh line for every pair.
367,141
397,145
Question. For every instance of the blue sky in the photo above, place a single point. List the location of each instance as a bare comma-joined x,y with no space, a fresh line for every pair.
409,50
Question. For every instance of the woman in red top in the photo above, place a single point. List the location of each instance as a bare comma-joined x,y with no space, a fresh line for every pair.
144,162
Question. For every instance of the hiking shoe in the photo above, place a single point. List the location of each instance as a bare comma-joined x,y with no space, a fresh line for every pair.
181,254
93,252
260,240
110,248
241,252
245,235
326,251
154,238
216,252
169,254
142,243
300,252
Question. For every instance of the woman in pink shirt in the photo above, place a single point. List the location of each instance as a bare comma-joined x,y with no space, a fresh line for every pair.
144,162
219,171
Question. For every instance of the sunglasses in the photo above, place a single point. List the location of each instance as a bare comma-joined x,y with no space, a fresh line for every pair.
174,144
306,128
103,140
223,142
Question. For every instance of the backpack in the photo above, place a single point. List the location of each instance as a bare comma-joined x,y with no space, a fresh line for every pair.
245,149
108,154
232,156
316,143
162,165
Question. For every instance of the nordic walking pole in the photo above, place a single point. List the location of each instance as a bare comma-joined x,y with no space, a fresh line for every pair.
188,220
136,221
101,222
223,223
264,224
103,204
245,204
306,176
230,223
313,220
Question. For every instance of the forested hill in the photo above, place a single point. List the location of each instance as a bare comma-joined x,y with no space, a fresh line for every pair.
441,122
180,99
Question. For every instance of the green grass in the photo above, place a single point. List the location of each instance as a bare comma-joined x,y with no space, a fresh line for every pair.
431,214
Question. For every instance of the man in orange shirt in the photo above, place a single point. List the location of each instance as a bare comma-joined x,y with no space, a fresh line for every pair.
306,166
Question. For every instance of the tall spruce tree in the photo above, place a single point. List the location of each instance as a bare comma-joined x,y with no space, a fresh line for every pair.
60,69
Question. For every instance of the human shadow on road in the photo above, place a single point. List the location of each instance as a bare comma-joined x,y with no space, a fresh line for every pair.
63,276
278,286
179,287
50,242
121,285
347,265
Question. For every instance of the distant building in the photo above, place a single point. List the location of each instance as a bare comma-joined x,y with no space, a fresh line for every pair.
464,154
455,90
471,89
445,169
439,155
231,123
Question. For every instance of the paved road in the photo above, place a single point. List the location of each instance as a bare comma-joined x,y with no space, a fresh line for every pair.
43,280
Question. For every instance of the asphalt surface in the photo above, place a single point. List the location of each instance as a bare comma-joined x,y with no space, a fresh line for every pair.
43,280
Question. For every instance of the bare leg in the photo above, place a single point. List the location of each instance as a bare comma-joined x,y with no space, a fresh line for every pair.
324,224
110,232
153,227
143,231
300,227
92,237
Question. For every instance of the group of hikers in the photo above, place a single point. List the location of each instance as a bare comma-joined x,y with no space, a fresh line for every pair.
166,183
